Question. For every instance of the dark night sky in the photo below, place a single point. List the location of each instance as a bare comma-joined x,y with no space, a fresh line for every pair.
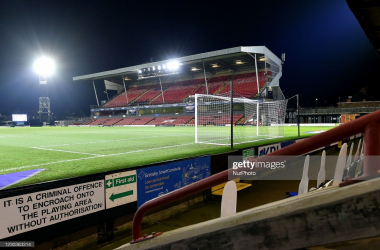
327,53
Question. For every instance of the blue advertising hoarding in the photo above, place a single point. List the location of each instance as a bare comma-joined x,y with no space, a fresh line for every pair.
155,181
190,107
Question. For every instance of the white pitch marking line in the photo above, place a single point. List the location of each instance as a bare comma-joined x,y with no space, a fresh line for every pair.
66,151
92,157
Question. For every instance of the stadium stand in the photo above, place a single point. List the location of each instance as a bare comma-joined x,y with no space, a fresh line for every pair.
221,120
218,120
133,93
98,122
214,85
245,84
125,121
112,121
154,92
178,91
142,121
201,90
87,123
161,120
181,120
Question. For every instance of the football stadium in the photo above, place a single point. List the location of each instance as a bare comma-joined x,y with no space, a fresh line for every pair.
194,152
154,118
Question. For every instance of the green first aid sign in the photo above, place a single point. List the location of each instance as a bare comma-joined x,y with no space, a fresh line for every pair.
120,181
121,188
248,152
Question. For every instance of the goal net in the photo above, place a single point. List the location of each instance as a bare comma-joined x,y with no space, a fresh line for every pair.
253,120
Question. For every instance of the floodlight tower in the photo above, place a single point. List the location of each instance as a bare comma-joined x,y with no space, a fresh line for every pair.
44,67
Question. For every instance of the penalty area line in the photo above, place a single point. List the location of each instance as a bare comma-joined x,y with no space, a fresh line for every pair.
92,157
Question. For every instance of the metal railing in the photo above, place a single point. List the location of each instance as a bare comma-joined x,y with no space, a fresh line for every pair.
368,124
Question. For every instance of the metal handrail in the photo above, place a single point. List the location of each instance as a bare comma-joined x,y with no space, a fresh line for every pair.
369,124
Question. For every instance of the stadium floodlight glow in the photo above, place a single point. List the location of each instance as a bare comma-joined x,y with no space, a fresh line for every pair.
140,71
173,65
159,67
154,68
164,66
194,69
44,66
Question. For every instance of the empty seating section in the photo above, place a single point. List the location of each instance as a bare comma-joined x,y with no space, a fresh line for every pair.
178,91
161,120
142,121
169,120
215,83
112,121
87,123
121,99
201,90
125,121
246,84
204,120
218,120
98,122
180,120
151,94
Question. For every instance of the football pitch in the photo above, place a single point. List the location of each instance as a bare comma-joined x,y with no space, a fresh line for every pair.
76,151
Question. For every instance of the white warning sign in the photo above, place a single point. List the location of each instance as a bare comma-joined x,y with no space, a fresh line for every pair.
121,188
23,213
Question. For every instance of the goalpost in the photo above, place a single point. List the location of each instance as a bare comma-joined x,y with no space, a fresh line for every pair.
253,120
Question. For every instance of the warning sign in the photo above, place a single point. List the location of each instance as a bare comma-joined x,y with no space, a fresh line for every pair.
121,188
23,213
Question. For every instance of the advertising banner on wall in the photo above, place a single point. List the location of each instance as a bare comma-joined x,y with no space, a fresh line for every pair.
132,111
23,213
264,150
190,107
155,181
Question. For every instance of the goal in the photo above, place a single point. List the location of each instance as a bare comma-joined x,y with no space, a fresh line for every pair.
252,120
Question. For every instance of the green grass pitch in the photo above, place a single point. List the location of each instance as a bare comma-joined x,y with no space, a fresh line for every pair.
76,151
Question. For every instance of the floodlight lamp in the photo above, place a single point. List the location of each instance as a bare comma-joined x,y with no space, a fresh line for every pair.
173,65
140,71
159,67
44,66
154,68
164,66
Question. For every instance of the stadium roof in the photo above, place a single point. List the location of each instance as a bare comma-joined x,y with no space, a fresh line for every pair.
367,14
226,60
